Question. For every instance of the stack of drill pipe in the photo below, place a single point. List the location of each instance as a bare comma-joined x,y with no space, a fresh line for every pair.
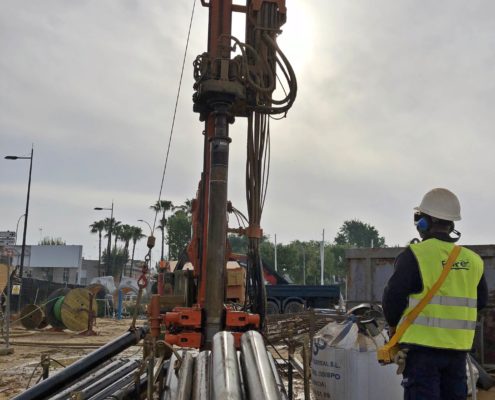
70,375
224,373
89,379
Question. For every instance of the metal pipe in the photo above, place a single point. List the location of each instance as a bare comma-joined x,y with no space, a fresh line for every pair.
217,222
79,385
171,380
202,376
225,368
186,370
129,391
260,380
113,386
278,379
66,376
108,380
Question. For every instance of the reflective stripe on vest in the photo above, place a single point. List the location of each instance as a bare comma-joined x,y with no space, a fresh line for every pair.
448,321
448,301
444,323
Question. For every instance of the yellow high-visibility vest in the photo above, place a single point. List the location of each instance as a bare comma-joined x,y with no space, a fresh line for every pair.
449,320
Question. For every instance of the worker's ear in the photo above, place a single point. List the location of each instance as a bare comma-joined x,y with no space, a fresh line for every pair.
423,224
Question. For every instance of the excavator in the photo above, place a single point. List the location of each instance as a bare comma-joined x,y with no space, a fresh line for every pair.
196,344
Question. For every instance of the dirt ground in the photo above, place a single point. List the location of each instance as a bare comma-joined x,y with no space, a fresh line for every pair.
17,369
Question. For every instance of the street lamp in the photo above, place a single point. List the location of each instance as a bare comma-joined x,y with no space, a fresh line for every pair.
109,236
23,248
17,227
147,223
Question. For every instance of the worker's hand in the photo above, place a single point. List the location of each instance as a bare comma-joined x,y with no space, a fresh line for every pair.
400,360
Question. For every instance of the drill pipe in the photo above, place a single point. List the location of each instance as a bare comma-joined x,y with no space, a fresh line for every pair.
104,383
88,380
259,376
178,384
201,378
278,379
170,391
65,377
225,369
185,376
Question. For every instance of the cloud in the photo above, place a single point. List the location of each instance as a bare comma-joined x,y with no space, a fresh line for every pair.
394,98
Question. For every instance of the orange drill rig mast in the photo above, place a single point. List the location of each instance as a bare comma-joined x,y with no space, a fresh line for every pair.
227,87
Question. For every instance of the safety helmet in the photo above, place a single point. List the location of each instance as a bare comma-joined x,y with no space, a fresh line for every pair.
442,204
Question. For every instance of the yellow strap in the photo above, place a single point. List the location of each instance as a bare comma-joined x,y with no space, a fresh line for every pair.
411,316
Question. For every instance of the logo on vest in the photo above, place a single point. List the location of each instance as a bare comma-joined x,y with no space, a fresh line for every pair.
458,265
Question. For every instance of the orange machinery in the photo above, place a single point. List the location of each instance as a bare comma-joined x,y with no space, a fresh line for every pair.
227,87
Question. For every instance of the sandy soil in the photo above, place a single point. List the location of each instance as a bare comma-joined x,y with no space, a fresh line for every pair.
17,368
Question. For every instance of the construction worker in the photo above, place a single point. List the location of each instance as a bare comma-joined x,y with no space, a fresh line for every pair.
434,347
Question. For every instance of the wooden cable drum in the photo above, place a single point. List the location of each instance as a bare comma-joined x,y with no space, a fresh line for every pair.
50,305
4,272
32,316
74,310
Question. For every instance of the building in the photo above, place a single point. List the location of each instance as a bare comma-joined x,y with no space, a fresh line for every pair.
54,263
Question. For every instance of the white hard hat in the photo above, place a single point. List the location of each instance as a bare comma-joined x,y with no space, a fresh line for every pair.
442,204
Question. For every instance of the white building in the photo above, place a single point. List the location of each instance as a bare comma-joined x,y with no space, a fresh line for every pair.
55,263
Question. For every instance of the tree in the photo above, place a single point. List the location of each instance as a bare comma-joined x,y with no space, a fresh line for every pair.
119,258
50,241
97,227
162,206
178,232
137,234
354,233
125,235
238,244
110,227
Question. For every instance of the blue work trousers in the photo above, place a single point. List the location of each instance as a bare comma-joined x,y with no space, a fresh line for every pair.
434,374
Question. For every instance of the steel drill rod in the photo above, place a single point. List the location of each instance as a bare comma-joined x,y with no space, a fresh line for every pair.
79,385
170,392
113,386
278,379
225,369
258,374
109,379
186,371
129,391
65,377
202,376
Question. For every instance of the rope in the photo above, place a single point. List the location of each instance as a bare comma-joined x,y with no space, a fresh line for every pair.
175,113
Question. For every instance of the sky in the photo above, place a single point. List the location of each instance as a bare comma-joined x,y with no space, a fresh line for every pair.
395,98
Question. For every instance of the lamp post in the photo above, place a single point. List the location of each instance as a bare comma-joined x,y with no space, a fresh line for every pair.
147,223
17,227
23,248
109,245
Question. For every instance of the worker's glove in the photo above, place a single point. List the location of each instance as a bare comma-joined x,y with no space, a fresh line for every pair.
400,360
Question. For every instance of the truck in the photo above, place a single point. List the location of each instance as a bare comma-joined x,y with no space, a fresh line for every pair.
282,297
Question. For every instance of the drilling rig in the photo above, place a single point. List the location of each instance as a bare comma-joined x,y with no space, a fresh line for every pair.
221,353
233,79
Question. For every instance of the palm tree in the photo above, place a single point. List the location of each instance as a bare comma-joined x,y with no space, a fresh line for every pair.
98,226
163,206
137,234
125,235
111,226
